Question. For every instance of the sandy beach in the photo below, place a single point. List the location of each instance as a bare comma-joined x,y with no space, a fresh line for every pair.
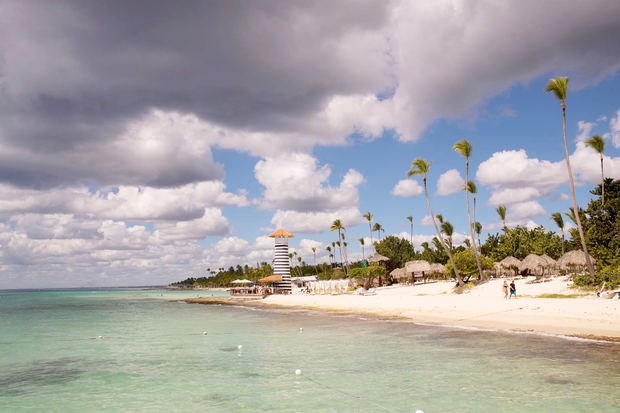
482,307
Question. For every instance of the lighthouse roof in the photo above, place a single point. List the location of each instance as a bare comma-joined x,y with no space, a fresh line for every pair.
281,233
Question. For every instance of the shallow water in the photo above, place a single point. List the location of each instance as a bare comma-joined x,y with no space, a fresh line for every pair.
154,357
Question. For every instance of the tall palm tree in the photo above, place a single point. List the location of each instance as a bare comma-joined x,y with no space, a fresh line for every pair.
361,240
314,253
337,226
598,144
377,227
421,167
464,148
410,219
329,249
501,211
559,87
478,229
448,230
344,250
368,217
557,218
473,189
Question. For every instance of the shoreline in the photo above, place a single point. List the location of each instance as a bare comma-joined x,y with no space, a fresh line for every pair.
584,317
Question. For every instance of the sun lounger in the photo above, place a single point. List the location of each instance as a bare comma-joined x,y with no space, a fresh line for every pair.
370,291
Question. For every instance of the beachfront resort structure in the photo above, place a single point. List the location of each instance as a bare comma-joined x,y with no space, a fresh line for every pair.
281,263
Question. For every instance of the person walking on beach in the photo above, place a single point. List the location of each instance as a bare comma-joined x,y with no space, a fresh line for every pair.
513,289
505,288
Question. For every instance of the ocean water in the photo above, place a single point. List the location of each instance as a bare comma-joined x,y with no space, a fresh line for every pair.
153,357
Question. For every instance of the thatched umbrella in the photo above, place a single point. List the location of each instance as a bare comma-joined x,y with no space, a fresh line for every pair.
533,264
551,263
417,266
400,274
573,260
508,263
376,257
437,269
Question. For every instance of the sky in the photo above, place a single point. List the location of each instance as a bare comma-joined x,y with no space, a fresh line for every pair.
144,142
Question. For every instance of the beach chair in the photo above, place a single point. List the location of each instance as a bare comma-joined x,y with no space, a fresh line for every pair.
370,291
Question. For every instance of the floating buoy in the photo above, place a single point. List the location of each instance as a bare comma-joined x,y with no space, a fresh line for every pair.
204,333
239,346
419,411
99,337
301,329
298,372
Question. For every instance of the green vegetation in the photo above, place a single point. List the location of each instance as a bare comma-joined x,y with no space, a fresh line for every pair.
466,263
520,242
560,295
368,274
398,250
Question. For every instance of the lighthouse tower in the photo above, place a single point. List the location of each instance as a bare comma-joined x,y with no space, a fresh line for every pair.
281,264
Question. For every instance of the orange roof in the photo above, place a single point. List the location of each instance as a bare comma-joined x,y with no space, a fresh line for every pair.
281,233
271,279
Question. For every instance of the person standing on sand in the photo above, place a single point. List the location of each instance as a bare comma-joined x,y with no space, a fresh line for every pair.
505,288
513,289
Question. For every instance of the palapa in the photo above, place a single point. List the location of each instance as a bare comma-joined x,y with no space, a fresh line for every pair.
417,266
437,268
400,274
508,263
533,264
573,260
550,261
377,258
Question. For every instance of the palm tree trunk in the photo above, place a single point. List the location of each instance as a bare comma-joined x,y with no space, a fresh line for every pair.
562,241
471,228
602,182
459,282
372,245
572,192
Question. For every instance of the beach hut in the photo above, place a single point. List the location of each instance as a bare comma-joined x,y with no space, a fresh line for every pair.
418,269
437,268
400,275
552,264
507,264
376,258
573,260
533,264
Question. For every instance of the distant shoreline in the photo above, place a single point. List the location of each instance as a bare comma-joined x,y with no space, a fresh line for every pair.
586,317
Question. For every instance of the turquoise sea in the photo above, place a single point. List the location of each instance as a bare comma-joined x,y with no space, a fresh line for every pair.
153,357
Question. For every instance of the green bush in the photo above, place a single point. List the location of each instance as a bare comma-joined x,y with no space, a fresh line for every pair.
610,275
466,263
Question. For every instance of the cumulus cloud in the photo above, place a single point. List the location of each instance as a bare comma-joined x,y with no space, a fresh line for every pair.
295,182
407,188
427,221
450,182
614,127
315,222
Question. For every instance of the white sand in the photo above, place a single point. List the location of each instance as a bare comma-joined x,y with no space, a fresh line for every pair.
483,307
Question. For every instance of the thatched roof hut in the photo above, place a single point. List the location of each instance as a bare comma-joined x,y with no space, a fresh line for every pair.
417,266
533,264
573,260
437,268
507,264
376,257
400,274
550,261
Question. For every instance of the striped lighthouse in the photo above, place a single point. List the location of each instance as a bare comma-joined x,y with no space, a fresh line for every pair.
281,264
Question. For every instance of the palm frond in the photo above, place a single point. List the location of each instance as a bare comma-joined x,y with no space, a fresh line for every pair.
501,211
419,167
559,87
557,218
597,143
470,186
463,147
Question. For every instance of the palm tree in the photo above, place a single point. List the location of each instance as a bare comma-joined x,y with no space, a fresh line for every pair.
361,240
368,217
344,250
473,189
448,230
410,219
557,218
464,148
377,227
337,226
421,167
314,253
478,229
501,211
329,249
598,144
559,87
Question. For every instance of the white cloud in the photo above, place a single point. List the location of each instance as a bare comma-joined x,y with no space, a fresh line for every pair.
614,127
295,182
212,222
427,221
407,188
513,195
524,210
450,182
314,222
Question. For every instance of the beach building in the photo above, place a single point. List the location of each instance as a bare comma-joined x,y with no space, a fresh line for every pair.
281,264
